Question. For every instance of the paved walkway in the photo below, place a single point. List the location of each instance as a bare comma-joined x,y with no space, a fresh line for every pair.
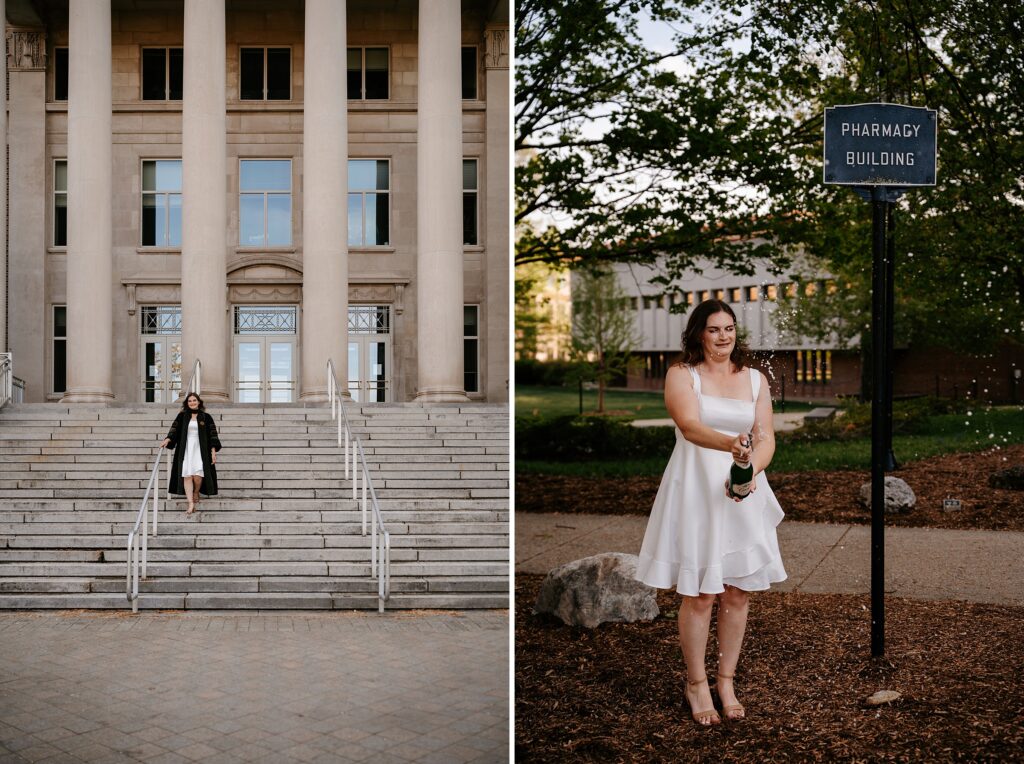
922,563
332,687
780,422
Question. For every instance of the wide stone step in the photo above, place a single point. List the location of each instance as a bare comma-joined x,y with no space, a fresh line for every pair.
285,531
253,601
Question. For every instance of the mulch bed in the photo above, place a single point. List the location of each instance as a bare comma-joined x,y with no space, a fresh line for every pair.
817,496
615,693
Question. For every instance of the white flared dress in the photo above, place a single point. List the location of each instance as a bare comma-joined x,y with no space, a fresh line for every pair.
698,539
192,463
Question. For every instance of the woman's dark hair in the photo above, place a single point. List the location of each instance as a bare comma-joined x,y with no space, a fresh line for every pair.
184,402
693,344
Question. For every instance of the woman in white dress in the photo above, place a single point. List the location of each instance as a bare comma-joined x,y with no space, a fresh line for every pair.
193,435
699,541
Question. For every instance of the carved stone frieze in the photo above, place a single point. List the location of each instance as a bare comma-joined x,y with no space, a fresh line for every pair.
26,50
371,293
155,293
272,293
496,51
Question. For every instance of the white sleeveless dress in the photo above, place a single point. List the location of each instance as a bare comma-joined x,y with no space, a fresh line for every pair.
698,539
192,463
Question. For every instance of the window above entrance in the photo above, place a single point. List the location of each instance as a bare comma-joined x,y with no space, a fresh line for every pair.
369,319
161,319
252,319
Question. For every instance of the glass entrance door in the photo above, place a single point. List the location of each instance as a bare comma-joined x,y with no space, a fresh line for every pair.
160,352
264,362
369,353
265,369
161,369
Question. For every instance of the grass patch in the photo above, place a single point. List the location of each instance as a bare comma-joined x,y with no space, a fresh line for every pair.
543,402
941,434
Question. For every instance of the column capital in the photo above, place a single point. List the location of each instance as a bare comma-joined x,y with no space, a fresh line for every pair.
496,47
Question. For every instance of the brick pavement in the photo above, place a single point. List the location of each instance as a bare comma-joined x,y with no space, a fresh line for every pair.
229,687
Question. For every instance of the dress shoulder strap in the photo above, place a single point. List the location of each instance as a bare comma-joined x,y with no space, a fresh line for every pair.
755,382
696,379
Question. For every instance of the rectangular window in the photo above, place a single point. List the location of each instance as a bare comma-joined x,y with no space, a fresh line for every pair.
367,74
60,74
469,202
753,294
161,203
704,294
734,294
162,74
690,296
265,203
814,366
60,203
771,292
60,350
469,76
471,346
790,289
368,202
369,319
265,74
719,294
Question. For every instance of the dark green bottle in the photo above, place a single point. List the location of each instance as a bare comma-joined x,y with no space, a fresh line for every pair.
741,475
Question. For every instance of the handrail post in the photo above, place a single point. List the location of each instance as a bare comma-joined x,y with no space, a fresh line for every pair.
373,554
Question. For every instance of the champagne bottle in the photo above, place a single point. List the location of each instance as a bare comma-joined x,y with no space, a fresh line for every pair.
741,474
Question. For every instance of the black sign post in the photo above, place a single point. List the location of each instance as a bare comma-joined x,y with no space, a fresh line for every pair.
880,150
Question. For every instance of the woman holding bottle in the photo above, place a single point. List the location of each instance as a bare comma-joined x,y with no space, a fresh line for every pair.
711,539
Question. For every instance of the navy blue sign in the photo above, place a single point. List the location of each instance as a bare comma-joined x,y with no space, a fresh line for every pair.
880,144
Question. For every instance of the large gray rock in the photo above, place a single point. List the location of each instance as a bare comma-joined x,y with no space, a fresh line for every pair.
898,496
596,590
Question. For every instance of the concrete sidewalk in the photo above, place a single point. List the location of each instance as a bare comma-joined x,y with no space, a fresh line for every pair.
921,563
291,687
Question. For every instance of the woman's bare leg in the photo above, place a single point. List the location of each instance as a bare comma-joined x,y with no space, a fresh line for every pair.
733,605
694,623
197,483
188,491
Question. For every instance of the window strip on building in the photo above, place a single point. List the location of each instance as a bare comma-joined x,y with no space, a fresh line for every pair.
471,347
470,202
60,203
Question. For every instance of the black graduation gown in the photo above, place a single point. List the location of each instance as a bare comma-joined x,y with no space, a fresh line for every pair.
208,439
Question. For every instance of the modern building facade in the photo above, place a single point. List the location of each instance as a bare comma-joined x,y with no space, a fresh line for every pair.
260,186
796,367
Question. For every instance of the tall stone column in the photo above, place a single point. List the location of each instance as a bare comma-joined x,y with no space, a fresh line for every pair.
324,200
3,197
496,204
439,298
28,264
204,316
90,266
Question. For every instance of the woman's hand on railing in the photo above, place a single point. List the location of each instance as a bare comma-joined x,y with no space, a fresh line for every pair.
165,442
213,456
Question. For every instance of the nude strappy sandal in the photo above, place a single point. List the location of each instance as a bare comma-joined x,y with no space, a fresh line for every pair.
703,718
734,711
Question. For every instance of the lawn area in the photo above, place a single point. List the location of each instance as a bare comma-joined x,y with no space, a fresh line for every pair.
537,401
945,434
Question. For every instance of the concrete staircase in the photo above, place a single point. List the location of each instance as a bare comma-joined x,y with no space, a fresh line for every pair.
284,532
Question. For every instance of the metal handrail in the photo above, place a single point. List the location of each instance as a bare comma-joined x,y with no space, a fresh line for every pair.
380,546
134,557
6,379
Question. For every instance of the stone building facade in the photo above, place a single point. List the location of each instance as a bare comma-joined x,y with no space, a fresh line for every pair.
260,186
